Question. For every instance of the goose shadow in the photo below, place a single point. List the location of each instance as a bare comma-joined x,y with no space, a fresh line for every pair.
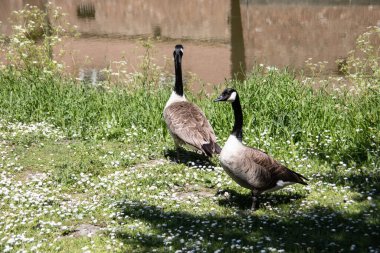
244,201
172,230
188,158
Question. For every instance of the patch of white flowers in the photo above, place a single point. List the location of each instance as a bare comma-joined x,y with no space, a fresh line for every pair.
39,129
146,199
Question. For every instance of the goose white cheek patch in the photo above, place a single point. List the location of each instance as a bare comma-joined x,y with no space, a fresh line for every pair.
232,97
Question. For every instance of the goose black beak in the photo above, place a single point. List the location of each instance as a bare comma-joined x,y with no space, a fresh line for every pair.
219,99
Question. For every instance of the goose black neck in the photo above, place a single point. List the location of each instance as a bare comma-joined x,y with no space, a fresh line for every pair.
238,126
178,88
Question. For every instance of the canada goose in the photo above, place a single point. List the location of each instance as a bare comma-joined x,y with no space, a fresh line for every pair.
250,167
187,124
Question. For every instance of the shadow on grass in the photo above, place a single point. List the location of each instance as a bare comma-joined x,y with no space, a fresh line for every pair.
318,229
363,182
359,153
189,158
244,201
360,182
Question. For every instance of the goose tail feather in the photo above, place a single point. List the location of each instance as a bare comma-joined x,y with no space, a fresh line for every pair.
301,179
218,149
211,148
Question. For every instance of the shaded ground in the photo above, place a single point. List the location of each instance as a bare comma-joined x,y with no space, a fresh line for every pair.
320,229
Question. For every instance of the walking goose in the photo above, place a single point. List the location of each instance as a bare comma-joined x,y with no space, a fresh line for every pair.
186,123
250,167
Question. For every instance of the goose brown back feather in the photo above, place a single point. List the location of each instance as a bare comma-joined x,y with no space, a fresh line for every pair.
268,170
187,124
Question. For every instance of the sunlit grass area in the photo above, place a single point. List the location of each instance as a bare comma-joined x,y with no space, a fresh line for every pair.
86,169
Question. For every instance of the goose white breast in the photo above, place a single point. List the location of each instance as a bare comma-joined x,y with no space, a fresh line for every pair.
174,97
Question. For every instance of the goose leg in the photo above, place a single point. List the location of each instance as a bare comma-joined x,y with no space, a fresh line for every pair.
178,150
255,201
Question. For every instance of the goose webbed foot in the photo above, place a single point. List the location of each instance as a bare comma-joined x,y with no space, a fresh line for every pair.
178,154
177,157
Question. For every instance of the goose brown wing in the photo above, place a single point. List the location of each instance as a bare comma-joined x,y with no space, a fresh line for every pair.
187,122
273,169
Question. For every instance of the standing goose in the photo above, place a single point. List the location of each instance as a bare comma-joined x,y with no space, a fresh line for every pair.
186,123
249,167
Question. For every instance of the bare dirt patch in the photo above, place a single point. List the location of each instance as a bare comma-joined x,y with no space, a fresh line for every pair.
84,230
30,176
150,164
192,191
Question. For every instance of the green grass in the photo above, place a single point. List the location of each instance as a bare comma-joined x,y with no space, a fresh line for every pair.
74,155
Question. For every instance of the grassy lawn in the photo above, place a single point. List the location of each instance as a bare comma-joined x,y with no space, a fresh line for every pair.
87,169
90,168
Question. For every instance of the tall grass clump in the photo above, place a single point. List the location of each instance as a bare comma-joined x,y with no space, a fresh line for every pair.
334,126
340,126
83,111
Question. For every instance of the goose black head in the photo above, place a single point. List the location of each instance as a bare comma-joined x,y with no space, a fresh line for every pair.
228,94
178,53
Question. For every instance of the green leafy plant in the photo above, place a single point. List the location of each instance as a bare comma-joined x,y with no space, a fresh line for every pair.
33,36
362,65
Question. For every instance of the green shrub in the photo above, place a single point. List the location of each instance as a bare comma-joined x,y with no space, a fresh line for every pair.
34,33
